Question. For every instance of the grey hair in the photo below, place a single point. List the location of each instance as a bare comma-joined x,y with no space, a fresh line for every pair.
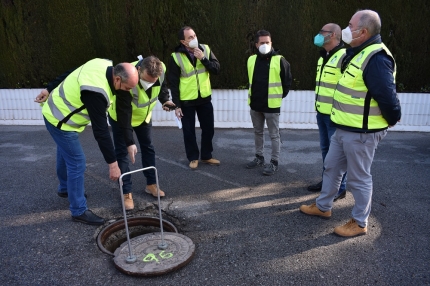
120,71
152,65
370,20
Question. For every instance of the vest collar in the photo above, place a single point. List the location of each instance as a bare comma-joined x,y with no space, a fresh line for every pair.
109,77
373,40
323,52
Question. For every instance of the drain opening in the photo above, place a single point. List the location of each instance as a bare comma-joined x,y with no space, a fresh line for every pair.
113,235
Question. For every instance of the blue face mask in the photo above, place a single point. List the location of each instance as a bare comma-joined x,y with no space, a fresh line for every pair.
319,40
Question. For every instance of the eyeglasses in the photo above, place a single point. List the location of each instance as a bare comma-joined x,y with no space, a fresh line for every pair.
324,31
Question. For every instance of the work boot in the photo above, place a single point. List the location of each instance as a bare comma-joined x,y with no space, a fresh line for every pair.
194,164
350,229
340,196
212,161
315,188
257,162
152,189
270,168
313,210
128,202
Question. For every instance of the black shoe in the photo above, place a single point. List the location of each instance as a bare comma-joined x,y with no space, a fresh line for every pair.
315,188
66,195
257,162
340,196
270,168
89,217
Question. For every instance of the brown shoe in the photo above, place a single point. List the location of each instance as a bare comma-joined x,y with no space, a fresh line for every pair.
351,228
313,210
194,164
212,161
128,202
152,189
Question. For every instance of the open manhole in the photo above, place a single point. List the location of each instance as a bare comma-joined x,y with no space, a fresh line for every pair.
113,235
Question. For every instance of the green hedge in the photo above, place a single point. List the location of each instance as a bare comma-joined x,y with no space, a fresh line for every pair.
41,38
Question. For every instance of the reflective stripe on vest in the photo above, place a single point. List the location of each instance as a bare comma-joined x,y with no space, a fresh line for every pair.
65,108
193,79
142,105
326,81
275,90
351,105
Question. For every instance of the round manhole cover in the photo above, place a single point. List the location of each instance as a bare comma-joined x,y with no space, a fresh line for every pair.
152,261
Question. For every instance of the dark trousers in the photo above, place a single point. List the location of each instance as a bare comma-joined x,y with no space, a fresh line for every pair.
143,134
205,114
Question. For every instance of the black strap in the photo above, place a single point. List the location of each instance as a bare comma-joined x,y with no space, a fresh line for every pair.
65,119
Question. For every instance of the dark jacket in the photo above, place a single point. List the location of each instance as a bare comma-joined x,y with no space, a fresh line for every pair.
379,80
174,73
260,82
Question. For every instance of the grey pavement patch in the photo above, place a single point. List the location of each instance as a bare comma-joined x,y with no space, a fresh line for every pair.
190,209
199,171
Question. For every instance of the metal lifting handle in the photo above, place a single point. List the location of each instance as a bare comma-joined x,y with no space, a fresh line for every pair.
162,245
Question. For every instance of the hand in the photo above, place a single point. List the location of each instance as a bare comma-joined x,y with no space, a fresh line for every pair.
167,106
132,151
198,53
178,113
42,97
114,171
390,126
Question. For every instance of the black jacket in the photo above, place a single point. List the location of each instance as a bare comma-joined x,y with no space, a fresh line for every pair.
260,82
174,73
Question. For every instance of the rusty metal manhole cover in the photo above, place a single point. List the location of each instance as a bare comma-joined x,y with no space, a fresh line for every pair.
150,259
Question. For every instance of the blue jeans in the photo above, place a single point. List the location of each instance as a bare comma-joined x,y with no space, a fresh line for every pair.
70,167
205,114
326,131
143,134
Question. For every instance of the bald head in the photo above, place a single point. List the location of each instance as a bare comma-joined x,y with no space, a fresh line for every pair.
336,30
125,76
332,32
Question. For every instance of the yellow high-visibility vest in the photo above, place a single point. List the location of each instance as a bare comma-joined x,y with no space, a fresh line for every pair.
275,91
326,81
64,107
193,79
351,107
142,104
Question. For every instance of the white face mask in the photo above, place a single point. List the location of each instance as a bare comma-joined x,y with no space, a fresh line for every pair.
193,43
265,49
347,35
146,84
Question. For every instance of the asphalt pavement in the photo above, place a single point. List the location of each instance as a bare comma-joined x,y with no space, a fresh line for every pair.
246,227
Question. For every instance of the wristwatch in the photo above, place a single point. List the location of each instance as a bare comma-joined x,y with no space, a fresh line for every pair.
204,58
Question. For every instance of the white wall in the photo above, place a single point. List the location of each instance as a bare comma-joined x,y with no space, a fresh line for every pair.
17,107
